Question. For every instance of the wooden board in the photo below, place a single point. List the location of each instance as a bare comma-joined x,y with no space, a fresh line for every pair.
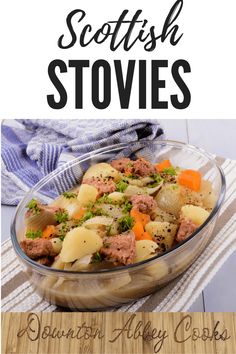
120,333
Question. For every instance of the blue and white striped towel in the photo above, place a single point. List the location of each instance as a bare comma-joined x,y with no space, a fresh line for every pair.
32,148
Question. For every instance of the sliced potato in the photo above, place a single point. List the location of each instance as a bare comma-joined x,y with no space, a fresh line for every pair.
133,190
209,197
195,213
102,170
87,194
164,232
145,249
161,215
116,197
80,264
78,243
170,199
58,264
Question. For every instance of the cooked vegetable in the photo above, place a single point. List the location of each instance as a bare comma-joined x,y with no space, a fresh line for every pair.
78,243
69,195
125,223
163,232
121,186
163,165
140,217
133,190
145,249
118,215
33,205
102,170
48,231
61,216
170,199
56,244
190,179
87,194
116,197
195,213
33,234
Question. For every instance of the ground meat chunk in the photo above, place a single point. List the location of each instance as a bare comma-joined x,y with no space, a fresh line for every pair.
187,227
120,248
143,168
37,248
143,203
121,164
102,185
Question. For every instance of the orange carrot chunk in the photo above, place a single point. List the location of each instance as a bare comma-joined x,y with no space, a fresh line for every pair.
48,231
79,215
138,230
162,165
138,216
190,179
146,236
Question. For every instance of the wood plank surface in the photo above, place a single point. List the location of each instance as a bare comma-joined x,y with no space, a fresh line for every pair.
108,333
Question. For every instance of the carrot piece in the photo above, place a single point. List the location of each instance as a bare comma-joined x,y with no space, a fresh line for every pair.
190,179
79,215
138,230
162,165
138,216
48,231
146,236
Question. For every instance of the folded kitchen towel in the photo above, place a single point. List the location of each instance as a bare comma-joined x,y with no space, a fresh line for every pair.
178,295
32,148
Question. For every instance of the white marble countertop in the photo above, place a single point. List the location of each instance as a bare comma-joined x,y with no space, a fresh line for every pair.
220,293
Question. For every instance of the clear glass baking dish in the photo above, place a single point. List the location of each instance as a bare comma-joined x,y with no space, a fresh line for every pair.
114,287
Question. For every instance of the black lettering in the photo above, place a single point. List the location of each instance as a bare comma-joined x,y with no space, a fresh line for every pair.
106,84
142,84
181,84
71,30
78,65
157,84
57,83
124,89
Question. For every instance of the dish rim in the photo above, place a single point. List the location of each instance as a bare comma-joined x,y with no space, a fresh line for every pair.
112,148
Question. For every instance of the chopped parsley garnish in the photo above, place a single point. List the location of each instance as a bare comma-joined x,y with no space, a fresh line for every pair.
33,205
121,186
127,207
174,186
104,199
62,237
97,258
69,195
157,179
126,223
169,171
88,215
64,228
61,216
34,234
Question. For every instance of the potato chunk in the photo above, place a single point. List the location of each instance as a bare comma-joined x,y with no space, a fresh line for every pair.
145,249
163,232
170,199
102,170
87,194
195,213
78,243
116,197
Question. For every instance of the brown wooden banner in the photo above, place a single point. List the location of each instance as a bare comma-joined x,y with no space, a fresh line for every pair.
119,333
